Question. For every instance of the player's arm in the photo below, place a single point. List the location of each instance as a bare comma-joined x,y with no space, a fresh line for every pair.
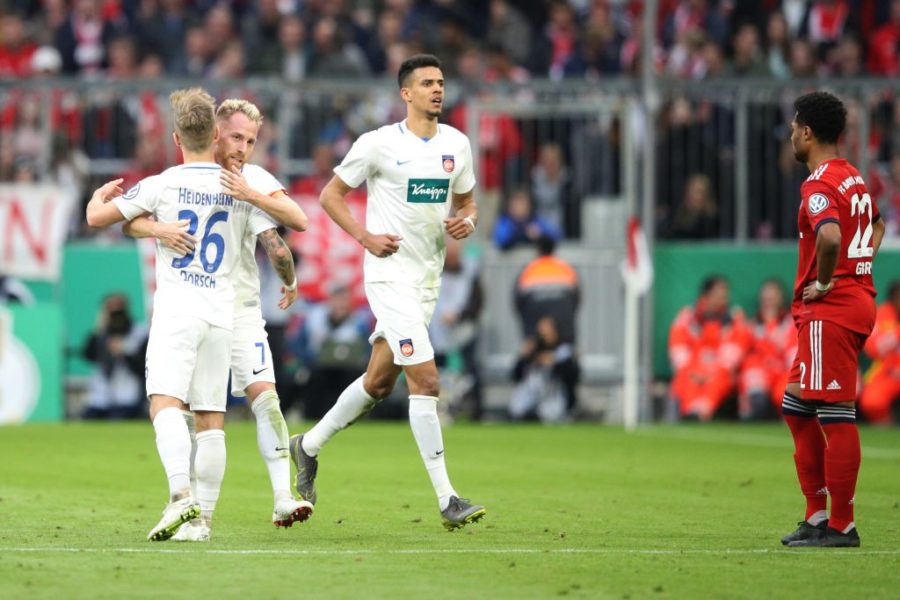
100,211
170,235
334,202
877,235
278,205
283,262
828,247
462,225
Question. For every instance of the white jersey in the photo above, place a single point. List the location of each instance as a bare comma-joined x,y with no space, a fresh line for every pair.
410,184
198,284
246,275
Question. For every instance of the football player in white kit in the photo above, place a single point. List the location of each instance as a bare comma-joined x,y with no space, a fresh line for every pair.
252,371
191,330
415,171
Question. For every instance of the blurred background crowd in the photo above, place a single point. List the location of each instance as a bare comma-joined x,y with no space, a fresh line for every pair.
546,89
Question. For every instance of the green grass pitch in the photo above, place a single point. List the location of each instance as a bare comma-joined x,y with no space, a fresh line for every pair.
577,511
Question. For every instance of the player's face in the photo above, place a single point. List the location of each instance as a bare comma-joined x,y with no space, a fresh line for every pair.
237,138
425,91
800,140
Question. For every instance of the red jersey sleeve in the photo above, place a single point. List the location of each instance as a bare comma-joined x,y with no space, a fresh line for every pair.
820,203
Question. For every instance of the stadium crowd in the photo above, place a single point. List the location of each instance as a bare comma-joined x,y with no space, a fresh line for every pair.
534,174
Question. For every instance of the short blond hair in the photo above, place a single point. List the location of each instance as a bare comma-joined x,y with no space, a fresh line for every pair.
236,105
195,118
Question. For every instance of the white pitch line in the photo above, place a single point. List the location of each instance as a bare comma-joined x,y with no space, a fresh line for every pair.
418,551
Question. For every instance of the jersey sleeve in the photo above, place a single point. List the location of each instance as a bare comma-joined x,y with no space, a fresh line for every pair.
357,165
142,198
259,221
262,181
821,205
465,181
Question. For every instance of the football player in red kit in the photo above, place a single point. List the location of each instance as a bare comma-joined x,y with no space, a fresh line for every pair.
834,311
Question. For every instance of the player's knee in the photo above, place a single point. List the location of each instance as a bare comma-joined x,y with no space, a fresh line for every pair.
428,384
379,385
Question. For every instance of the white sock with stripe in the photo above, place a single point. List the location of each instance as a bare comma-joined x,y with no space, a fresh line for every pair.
353,403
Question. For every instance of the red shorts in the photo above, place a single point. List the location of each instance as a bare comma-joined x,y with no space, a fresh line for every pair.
827,362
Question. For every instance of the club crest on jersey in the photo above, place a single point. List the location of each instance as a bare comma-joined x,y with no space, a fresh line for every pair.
132,192
448,162
817,203
406,347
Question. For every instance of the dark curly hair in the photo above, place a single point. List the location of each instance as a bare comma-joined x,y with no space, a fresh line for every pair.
824,113
416,62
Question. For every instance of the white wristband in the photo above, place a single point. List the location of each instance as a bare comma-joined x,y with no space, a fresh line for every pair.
470,221
824,288
292,287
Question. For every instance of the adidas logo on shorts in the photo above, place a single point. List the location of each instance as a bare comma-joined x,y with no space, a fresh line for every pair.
834,385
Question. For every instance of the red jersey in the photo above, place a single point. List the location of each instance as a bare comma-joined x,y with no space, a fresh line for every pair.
836,193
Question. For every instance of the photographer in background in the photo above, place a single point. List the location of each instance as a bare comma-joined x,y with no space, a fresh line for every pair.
117,348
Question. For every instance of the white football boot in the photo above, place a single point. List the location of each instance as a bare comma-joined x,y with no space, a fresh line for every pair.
289,511
192,531
176,513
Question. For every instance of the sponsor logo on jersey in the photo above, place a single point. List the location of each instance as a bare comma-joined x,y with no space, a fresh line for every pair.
406,347
834,385
817,203
428,191
448,162
133,192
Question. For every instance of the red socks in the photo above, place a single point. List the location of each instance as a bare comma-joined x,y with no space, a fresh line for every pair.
842,458
809,457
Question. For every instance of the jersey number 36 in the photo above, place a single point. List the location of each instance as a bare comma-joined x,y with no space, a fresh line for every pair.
209,238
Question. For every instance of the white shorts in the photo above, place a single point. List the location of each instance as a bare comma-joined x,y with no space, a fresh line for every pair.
403,313
251,359
187,358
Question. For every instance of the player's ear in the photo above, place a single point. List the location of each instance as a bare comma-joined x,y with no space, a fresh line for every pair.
216,135
404,93
176,139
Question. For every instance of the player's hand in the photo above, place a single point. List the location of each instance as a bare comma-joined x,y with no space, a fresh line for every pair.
382,245
174,237
109,190
458,227
235,185
811,294
287,298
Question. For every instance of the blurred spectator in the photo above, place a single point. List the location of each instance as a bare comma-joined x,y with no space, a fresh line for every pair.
332,56
693,16
803,59
229,64
292,53
519,224
122,59
162,28
773,345
827,21
548,286
778,46
198,52
884,45
882,381
546,375
510,30
221,31
557,42
117,348
83,37
332,348
550,188
260,31
696,217
597,53
501,69
454,330
748,60
846,58
707,342
13,291
889,196
388,32
16,50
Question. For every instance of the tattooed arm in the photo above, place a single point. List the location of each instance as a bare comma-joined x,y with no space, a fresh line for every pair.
283,261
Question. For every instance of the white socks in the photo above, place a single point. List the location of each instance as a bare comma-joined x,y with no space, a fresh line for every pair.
817,517
426,428
272,438
173,441
192,430
353,403
210,467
